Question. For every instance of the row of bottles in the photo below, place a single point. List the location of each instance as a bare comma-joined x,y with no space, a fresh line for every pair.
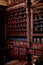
17,25
17,38
17,34
38,39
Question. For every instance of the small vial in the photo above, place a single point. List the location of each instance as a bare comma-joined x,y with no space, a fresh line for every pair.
35,29
34,39
41,29
41,39
38,39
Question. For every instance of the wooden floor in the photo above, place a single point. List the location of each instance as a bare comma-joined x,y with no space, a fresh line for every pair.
16,62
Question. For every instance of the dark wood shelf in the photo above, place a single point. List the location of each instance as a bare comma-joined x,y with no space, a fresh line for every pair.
37,34
38,26
38,31
38,19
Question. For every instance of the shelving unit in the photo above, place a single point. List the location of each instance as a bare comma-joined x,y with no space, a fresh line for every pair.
17,25
17,28
37,28
38,25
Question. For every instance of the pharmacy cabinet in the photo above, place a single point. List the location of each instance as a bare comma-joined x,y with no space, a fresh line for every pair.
37,27
17,26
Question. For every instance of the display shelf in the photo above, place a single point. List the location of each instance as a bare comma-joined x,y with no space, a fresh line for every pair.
17,22
17,27
38,24
36,29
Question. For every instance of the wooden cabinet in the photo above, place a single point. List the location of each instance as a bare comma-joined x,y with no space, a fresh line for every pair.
36,28
17,22
37,23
